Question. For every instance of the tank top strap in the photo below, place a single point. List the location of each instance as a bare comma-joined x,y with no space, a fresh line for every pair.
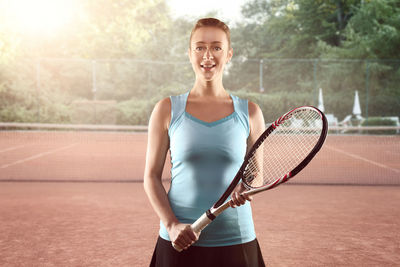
178,106
242,110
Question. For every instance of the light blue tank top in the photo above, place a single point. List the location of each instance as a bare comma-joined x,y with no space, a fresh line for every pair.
205,158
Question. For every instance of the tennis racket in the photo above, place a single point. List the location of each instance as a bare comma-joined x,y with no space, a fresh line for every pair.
281,152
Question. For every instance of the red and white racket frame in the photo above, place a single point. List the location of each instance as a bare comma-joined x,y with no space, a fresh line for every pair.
221,205
275,125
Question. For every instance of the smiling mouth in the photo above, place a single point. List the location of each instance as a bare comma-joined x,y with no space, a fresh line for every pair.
207,66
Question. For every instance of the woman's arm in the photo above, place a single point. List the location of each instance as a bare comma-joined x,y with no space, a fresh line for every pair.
257,127
157,149
257,124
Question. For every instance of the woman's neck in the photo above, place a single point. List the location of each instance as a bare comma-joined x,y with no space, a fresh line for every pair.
208,89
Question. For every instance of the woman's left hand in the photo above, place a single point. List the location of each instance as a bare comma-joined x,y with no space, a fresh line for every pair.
237,198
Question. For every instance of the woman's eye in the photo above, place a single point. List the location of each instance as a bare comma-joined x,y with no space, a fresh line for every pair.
199,48
217,48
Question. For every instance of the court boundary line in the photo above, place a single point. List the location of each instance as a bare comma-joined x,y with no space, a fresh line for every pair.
363,159
37,156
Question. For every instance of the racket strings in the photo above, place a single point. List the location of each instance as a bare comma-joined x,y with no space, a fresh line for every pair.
284,149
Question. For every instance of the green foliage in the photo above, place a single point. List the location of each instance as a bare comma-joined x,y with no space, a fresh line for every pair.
99,29
291,29
134,112
121,57
378,121
32,108
373,32
93,112
328,30
273,105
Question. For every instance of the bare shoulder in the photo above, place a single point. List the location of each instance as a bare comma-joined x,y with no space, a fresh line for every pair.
163,105
254,110
256,120
161,114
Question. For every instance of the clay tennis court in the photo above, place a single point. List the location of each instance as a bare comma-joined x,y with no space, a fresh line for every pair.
77,199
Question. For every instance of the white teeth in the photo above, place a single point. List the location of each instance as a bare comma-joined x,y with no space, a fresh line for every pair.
208,66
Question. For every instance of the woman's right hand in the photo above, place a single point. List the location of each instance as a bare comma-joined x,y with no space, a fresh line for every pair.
182,235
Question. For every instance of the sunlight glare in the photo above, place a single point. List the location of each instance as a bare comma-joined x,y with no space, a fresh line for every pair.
40,16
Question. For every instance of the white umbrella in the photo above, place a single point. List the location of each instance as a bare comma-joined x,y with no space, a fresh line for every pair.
321,101
356,106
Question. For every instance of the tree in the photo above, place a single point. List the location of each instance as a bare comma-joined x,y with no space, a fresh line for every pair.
373,34
286,29
104,29
292,28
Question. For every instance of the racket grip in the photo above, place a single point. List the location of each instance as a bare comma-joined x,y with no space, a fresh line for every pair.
205,220
201,223
197,227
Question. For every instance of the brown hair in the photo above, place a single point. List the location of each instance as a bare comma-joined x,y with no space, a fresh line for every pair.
211,22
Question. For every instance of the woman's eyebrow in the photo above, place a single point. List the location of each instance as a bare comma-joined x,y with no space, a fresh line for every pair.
214,42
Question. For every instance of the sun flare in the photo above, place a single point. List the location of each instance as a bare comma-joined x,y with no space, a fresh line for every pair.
39,16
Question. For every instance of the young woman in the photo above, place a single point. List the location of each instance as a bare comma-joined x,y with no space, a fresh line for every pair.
208,132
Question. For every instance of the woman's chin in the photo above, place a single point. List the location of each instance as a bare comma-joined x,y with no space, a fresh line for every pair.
208,77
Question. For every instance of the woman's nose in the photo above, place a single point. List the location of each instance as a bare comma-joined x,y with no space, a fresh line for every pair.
208,54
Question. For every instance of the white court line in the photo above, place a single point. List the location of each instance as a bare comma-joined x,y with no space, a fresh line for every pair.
364,159
11,148
36,156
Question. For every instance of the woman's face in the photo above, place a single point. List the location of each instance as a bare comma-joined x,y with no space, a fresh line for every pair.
209,52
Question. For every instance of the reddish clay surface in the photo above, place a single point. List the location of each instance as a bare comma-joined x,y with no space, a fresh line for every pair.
72,156
112,224
94,156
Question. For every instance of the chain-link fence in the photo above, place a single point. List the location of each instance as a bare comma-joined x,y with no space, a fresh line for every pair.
123,91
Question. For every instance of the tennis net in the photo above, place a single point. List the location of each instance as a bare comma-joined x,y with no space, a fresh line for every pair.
110,153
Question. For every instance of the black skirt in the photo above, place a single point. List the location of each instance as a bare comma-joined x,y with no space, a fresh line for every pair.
242,255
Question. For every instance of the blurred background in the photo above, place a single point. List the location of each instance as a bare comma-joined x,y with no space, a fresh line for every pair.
109,62
79,78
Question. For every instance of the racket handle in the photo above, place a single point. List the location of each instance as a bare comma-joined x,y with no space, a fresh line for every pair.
197,227
204,220
201,223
